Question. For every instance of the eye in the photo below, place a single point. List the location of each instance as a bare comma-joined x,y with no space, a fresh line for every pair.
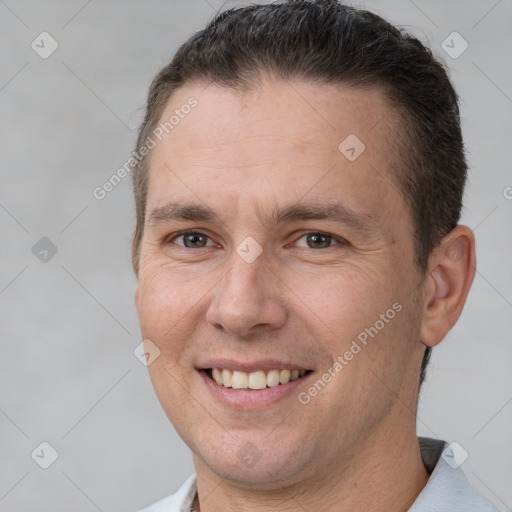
198,240
315,240
192,240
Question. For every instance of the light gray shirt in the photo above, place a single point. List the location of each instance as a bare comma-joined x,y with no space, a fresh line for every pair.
447,489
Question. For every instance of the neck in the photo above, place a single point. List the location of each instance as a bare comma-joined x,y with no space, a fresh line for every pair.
386,472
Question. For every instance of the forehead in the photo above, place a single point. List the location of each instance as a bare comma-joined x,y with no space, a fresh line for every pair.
314,115
279,140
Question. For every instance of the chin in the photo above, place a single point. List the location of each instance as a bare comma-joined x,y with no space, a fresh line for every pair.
249,466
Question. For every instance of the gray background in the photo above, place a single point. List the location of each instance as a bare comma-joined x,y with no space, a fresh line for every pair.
68,324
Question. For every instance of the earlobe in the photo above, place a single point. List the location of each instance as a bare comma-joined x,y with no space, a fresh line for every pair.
447,286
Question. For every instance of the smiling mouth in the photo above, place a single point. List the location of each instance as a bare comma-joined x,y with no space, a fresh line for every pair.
257,380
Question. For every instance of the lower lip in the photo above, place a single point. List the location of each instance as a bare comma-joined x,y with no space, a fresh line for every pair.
252,399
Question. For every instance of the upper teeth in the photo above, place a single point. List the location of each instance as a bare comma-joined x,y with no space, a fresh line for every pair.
255,380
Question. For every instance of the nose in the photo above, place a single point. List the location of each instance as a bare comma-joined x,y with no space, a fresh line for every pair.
248,301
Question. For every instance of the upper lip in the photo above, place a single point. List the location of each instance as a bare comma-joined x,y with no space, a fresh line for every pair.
250,366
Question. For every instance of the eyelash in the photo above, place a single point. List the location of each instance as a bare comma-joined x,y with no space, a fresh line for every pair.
339,241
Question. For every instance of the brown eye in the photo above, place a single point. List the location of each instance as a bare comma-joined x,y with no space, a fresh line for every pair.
318,240
191,240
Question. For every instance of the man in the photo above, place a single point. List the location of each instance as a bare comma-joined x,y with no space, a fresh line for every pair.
298,255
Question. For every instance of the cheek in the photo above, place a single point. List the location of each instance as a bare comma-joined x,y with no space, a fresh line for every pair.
360,316
342,301
165,307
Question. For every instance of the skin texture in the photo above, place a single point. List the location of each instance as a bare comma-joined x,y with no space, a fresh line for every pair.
243,154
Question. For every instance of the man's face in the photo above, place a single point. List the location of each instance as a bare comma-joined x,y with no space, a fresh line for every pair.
253,290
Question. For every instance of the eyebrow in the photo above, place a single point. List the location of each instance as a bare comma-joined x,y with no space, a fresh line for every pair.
331,211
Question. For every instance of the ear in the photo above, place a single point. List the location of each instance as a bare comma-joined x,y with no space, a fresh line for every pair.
137,296
452,267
